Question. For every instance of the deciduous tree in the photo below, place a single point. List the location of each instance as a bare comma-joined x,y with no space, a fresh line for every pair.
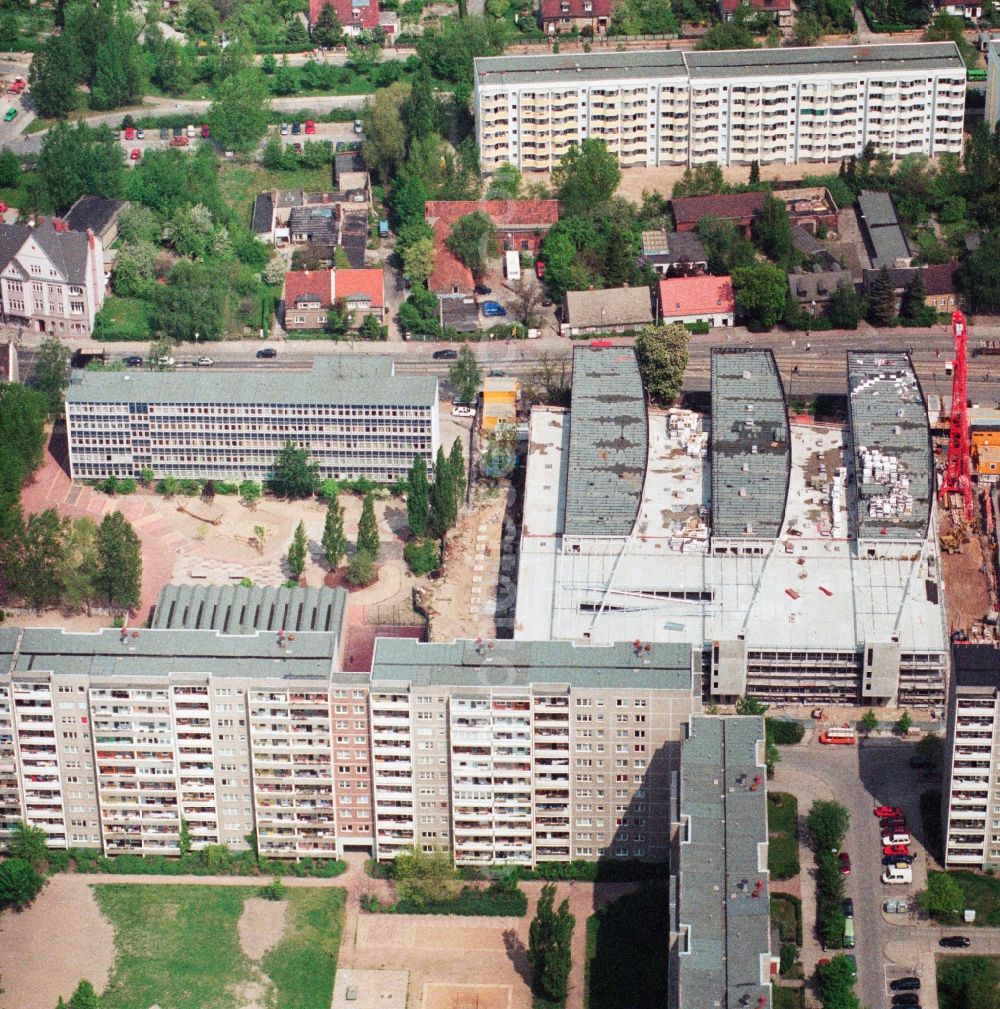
473,240
192,301
29,843
19,883
423,877
119,552
40,566
774,229
586,178
240,113
385,131
294,476
846,307
418,260
760,291
828,822
465,376
368,538
662,354
78,159
943,899
52,77
52,373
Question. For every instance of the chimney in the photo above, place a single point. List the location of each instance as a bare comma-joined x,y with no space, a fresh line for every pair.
90,237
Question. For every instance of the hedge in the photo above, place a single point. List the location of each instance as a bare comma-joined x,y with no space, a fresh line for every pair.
495,902
604,870
215,861
784,731
788,930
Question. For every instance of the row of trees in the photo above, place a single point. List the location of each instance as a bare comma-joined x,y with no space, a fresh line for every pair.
827,823
432,509
550,938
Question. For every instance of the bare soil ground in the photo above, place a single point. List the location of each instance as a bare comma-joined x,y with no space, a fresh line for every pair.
48,949
261,925
966,585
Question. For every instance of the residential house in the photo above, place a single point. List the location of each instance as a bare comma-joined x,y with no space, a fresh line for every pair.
807,208
813,249
780,10
354,16
458,312
97,214
351,176
500,395
521,225
9,369
885,242
941,287
984,435
51,278
814,288
697,299
674,253
615,310
310,294
559,16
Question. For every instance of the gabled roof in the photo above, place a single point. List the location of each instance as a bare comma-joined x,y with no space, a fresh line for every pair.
554,9
263,214
309,285
696,296
941,278
673,247
503,213
726,206
616,306
449,271
360,285
93,212
729,6
357,13
66,250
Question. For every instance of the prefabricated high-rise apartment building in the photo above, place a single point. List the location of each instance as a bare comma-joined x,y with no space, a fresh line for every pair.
667,107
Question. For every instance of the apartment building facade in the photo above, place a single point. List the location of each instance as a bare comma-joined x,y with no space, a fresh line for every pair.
690,108
356,417
971,799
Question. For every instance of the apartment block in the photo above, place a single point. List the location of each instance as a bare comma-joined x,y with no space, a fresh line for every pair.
690,108
356,416
971,799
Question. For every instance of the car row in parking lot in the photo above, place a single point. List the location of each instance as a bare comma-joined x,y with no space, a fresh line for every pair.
895,836
137,361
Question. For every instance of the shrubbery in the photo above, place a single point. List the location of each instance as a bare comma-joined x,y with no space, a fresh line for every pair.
215,860
604,870
784,731
497,901
422,556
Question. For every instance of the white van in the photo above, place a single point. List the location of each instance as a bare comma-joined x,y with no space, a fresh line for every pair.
512,264
897,874
895,839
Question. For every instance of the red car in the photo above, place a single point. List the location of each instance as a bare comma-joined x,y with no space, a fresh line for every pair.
845,863
205,132
310,126
883,811
540,269
181,141
895,849
892,823
130,133
18,86
3,207
136,154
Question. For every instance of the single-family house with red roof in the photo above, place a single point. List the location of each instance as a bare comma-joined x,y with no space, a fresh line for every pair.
310,294
697,299
563,15
353,16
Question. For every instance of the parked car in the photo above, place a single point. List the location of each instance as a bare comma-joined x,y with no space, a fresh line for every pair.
10,115
310,126
898,860
358,128
136,154
892,821
845,863
190,131
885,811
955,941
460,410
905,984
117,134
896,838
267,352
284,129
164,133
910,998
493,310
18,86
296,129
445,355
140,134
205,131
482,289
177,130
848,906
203,362
540,269
895,849
179,142
130,133
133,361
162,362
3,207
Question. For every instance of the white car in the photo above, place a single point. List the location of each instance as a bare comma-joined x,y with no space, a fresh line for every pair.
162,362
460,410
358,128
203,362
284,129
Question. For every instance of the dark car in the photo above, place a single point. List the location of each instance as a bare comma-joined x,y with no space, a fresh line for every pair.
133,362
178,130
164,133
898,860
909,998
848,905
445,355
296,128
483,289
267,352
892,822
955,941
905,984
845,863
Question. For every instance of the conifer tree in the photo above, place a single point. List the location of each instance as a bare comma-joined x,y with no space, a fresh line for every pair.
334,541
368,540
418,504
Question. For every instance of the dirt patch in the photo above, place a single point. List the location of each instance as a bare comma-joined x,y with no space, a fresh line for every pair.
261,926
60,940
966,585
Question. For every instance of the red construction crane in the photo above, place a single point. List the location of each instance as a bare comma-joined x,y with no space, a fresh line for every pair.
958,475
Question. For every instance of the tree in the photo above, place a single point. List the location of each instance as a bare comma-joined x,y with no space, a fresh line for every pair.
449,51
294,476
808,30
52,78
424,877
728,35
361,570
473,240
192,301
19,883
52,373
385,132
869,721
586,178
78,159
760,292
368,538
420,111
882,307
84,997
846,307
40,568
749,705
549,946
296,559
240,113
774,230
418,259
725,247
119,552
505,184
419,314
914,299
527,304
78,566
456,462
250,492
947,27
22,428
904,723
662,354
297,34
444,499
828,822
135,267
418,497
979,277
334,542
29,843
10,169
118,77
466,376
327,31
930,750
944,898
836,980
159,355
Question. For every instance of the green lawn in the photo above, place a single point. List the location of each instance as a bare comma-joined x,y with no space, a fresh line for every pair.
785,913
782,827
968,982
626,951
787,998
176,946
122,319
241,183
982,893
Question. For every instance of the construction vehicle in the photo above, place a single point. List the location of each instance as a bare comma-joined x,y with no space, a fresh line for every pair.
957,478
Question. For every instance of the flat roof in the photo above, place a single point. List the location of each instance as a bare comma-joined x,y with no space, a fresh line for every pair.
976,665
893,462
723,881
608,443
751,452
334,380
523,663
916,57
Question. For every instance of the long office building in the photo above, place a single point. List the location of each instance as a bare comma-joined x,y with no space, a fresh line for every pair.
232,714
356,417
666,107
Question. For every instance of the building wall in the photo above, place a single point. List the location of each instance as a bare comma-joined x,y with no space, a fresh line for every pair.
309,317
731,121
713,319
992,84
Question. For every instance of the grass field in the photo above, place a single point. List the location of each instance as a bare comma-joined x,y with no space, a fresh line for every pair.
982,893
968,982
788,998
626,951
782,828
785,913
177,947
241,183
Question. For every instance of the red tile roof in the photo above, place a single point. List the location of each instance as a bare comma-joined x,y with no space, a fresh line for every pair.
449,272
696,296
503,213
552,9
299,283
729,6
730,206
941,278
361,14
368,284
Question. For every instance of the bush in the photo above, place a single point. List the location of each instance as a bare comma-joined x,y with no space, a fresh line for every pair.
361,571
496,901
189,488
168,486
227,489
783,858
215,860
789,956
784,731
786,913
422,556
604,870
